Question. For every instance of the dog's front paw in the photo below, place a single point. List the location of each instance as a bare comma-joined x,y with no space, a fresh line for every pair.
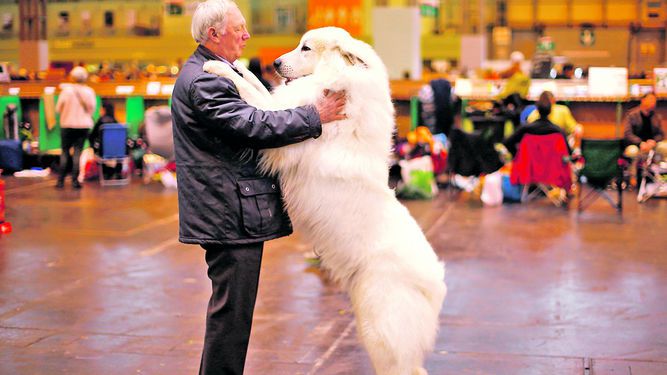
218,68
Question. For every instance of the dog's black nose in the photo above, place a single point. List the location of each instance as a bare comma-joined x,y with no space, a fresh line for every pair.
277,63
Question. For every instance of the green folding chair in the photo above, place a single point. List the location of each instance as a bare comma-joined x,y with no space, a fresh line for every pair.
603,166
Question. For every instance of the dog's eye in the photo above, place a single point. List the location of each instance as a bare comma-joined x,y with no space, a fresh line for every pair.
305,48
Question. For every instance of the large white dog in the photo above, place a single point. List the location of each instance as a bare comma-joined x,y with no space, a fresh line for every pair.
336,194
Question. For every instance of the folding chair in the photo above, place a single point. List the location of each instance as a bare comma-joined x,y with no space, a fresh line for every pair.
602,165
114,150
543,162
654,178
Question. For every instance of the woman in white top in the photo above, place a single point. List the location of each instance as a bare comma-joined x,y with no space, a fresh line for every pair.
76,105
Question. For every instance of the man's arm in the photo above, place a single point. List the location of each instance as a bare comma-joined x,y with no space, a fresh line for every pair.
61,101
514,139
628,134
220,107
659,134
569,123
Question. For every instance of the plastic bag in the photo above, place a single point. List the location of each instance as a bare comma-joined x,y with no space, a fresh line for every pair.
492,191
418,179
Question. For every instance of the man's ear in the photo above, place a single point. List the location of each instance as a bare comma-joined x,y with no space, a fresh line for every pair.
212,34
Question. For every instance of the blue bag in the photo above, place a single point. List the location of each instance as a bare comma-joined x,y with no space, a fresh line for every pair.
11,155
511,193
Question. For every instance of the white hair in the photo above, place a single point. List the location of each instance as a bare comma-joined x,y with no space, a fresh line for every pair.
210,13
79,74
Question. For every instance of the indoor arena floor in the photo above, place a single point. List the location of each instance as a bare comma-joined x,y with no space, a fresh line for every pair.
95,282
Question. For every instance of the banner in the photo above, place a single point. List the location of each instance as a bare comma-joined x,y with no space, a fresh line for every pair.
346,14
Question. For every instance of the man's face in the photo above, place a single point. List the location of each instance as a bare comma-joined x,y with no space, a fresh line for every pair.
648,104
232,42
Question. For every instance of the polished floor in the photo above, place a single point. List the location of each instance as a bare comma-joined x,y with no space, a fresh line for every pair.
95,282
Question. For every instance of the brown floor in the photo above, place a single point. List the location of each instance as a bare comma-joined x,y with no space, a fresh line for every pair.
94,282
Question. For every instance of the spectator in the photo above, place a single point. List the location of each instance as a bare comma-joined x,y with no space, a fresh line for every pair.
513,95
76,105
540,127
107,116
643,133
560,115
255,67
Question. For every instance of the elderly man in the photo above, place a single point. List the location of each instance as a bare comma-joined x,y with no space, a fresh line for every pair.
225,204
643,131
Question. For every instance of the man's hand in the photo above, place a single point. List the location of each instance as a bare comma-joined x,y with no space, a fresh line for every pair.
647,146
330,107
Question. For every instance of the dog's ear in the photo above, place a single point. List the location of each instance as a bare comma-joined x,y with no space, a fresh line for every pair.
349,58
347,51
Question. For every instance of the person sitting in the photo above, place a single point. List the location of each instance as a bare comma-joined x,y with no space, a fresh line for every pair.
107,116
643,133
560,115
542,126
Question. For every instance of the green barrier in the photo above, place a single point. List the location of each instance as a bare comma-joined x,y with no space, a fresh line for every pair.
134,112
414,112
50,139
4,102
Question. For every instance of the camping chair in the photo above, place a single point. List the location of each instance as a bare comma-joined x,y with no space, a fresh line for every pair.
114,150
602,165
543,162
654,178
490,127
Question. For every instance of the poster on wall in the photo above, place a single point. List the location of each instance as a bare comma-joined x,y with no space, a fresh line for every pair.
346,14
660,81
607,82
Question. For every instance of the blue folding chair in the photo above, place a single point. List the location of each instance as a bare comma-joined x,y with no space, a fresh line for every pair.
113,150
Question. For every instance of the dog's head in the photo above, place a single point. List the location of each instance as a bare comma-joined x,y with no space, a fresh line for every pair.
332,45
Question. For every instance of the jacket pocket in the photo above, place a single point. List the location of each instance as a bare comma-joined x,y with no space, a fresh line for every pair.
261,205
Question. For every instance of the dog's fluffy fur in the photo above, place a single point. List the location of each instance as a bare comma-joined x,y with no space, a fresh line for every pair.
336,194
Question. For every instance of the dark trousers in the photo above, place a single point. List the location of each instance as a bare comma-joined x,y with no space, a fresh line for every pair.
234,274
71,138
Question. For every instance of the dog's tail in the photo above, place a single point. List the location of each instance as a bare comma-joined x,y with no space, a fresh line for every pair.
397,322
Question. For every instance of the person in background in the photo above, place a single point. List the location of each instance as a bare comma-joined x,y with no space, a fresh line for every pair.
76,105
217,137
542,126
643,133
562,116
514,93
271,76
107,116
255,67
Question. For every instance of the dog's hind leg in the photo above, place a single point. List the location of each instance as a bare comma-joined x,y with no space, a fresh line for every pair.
395,322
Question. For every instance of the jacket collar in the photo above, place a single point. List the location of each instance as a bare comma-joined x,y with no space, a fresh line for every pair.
207,54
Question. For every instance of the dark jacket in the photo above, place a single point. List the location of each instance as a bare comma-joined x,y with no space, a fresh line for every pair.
222,198
633,125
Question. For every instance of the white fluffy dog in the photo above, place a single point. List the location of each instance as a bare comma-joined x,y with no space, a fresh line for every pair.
336,194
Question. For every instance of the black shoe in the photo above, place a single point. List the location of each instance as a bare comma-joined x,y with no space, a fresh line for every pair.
60,184
76,184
